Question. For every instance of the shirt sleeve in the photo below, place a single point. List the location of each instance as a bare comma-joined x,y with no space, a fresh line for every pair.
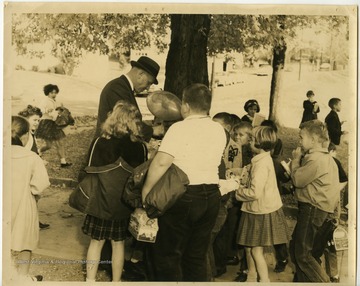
304,175
170,142
39,179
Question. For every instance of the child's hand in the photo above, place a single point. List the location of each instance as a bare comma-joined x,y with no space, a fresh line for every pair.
297,153
227,186
342,122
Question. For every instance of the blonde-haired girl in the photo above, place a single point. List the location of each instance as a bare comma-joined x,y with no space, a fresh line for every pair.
262,222
120,137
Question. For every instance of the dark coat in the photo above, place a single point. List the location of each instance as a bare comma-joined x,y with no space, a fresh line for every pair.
309,113
334,127
107,203
115,90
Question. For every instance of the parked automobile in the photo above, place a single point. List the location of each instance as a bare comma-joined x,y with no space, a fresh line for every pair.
264,70
325,67
227,78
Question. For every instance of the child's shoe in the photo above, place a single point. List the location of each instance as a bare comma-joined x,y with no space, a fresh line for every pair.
232,260
280,266
242,277
65,165
335,279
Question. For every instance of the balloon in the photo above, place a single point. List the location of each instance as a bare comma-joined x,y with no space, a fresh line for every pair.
164,105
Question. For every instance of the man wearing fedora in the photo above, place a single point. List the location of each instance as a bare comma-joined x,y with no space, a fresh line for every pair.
142,75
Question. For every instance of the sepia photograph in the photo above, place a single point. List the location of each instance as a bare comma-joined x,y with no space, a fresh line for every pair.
179,142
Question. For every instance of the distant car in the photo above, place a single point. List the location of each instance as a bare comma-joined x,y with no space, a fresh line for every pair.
222,79
264,70
325,67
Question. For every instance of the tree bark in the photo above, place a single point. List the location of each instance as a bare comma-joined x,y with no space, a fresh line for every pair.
279,51
186,61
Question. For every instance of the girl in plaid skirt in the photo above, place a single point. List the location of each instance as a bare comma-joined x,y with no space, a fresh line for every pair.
120,137
262,222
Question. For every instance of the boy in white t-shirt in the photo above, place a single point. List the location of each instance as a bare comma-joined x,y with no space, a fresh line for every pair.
196,146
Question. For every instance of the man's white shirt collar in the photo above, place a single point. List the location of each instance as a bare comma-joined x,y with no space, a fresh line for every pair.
131,83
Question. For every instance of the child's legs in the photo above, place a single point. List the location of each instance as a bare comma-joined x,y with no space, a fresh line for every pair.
47,146
60,148
243,259
219,223
331,265
233,218
257,253
93,258
250,261
23,262
117,259
309,221
281,252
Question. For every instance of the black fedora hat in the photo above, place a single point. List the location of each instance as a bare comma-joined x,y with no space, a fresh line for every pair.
147,65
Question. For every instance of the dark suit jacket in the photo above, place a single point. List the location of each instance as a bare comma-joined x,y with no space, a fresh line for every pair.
115,90
334,127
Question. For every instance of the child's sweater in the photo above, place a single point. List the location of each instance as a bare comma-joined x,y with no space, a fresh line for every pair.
233,155
316,180
262,196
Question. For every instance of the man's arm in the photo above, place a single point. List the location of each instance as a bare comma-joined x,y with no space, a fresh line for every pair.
160,164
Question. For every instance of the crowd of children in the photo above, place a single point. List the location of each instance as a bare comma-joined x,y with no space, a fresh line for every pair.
250,215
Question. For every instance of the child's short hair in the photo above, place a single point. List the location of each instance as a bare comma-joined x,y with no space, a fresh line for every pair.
198,96
269,123
310,93
265,137
225,117
49,88
333,101
30,111
250,103
242,124
235,119
316,128
19,127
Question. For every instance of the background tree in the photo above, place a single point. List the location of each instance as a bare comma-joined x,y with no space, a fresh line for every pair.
72,34
193,38
186,62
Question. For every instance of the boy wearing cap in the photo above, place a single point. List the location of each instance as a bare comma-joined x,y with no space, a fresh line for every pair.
142,75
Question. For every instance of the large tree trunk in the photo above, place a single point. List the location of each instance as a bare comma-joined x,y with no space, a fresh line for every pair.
186,61
278,69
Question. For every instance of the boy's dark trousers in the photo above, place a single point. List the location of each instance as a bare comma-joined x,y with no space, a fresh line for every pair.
213,271
182,242
309,221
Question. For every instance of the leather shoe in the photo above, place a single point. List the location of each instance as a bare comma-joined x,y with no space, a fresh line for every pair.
65,165
280,266
232,260
37,278
242,277
43,225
